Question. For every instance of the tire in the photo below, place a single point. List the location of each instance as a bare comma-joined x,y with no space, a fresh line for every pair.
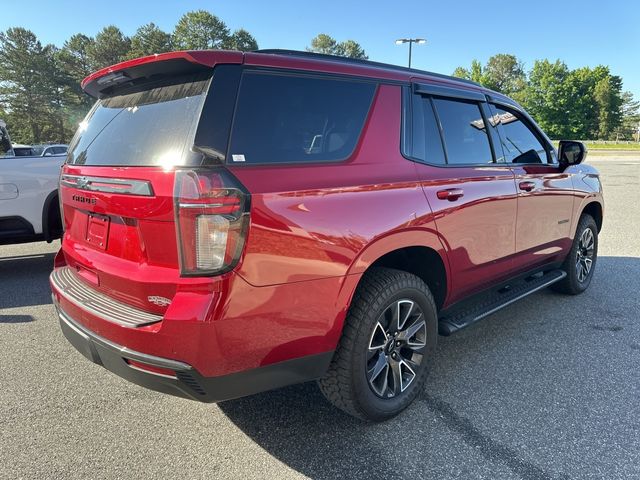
51,218
577,280
387,301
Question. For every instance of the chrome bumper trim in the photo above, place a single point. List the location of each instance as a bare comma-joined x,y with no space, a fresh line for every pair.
83,296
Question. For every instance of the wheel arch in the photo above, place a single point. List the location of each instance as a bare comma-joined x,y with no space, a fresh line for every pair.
419,252
594,208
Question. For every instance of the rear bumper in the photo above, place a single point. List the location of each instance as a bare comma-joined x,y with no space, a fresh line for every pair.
180,379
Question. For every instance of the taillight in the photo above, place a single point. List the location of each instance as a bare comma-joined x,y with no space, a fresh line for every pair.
212,215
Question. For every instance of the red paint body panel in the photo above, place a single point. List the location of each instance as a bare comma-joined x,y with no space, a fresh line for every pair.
478,228
239,327
544,230
314,230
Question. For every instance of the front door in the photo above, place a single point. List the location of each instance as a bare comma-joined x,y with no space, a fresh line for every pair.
545,192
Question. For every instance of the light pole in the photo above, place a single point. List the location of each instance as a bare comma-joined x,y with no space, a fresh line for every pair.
410,41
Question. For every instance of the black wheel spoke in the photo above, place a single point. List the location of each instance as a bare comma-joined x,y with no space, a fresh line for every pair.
396,374
378,375
407,375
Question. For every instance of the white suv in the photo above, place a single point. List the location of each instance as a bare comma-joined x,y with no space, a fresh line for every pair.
29,207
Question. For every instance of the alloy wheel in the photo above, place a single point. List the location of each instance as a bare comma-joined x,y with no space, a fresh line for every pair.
396,348
585,257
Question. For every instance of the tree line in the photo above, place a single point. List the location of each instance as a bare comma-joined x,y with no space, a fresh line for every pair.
40,95
584,103
41,99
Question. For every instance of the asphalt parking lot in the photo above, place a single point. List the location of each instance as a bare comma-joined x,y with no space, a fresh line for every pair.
547,388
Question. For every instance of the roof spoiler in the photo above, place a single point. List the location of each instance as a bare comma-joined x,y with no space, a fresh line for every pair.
103,82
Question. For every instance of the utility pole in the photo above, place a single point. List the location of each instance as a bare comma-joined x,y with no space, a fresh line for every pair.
410,41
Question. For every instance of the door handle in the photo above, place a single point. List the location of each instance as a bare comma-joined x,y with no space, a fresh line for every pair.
527,186
451,194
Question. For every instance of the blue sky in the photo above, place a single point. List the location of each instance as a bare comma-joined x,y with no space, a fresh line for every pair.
582,33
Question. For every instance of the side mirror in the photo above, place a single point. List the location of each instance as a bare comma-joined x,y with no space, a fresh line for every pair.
571,153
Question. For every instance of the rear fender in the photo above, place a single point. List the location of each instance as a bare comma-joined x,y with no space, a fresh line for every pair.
380,247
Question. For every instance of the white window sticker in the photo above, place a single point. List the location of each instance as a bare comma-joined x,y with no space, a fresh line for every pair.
238,158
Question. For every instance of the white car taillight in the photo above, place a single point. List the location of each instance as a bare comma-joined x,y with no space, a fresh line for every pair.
212,214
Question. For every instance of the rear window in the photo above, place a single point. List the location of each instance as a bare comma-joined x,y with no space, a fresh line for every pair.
24,152
141,128
287,118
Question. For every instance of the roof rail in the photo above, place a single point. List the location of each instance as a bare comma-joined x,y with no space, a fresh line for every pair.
357,61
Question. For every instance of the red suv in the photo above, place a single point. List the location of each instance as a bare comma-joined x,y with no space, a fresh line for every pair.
240,222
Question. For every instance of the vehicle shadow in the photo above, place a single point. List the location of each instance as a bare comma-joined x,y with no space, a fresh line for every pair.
16,318
24,280
440,433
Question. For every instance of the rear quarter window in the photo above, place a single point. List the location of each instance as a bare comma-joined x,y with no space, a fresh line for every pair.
297,119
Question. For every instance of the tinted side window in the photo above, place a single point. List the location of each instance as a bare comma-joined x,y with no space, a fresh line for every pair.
284,119
519,143
426,143
464,132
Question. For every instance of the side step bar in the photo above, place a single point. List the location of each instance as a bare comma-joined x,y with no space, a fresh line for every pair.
460,318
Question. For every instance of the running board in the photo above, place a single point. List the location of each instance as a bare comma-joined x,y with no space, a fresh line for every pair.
460,318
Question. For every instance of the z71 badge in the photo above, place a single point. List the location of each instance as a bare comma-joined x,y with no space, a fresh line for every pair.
160,301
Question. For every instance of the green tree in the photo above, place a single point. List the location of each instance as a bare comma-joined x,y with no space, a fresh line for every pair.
548,99
594,103
26,70
327,45
608,98
74,56
351,49
241,40
630,116
461,72
475,74
110,46
57,127
323,43
149,39
74,63
504,73
200,30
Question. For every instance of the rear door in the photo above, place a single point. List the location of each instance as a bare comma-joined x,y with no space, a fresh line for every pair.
473,197
545,192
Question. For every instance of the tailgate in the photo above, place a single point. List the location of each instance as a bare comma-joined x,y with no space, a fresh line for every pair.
120,233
